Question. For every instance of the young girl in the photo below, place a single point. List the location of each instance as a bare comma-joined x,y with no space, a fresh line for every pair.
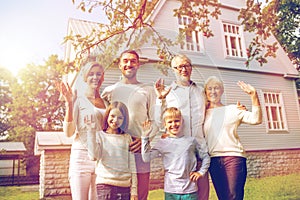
116,171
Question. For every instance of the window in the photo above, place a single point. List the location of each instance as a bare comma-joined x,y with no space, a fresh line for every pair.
234,42
193,39
275,112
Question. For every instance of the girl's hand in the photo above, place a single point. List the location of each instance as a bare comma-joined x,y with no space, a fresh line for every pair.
194,176
249,89
134,197
90,122
160,90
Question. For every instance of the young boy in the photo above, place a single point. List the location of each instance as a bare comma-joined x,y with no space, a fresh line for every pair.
180,154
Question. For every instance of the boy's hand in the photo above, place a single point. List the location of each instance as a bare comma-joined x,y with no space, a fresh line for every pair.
134,197
146,128
194,176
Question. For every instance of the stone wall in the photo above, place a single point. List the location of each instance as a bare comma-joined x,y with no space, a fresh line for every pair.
54,169
273,162
54,180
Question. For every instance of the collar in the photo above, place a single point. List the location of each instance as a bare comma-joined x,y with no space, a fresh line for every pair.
174,85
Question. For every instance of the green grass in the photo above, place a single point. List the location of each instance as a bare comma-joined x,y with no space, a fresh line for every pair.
270,188
19,192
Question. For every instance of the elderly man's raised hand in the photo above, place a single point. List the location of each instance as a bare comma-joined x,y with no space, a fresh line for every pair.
160,89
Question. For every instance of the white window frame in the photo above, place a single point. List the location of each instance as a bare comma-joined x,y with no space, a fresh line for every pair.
194,41
274,108
233,40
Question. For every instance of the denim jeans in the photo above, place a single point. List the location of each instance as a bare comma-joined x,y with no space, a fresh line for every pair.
228,175
110,192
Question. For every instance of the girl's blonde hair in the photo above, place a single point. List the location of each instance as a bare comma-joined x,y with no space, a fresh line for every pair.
123,109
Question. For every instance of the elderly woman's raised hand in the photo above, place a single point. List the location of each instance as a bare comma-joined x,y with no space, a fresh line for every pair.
249,89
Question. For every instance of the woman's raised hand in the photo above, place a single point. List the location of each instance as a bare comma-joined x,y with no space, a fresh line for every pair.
66,92
249,89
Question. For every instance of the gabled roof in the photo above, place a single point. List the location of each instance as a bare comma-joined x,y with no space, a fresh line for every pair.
81,27
51,140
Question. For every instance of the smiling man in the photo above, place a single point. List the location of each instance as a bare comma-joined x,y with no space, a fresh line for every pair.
139,99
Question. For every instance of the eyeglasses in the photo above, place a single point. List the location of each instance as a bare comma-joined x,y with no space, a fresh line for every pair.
185,66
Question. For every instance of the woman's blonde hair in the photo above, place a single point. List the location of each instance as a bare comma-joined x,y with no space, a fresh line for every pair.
88,66
216,80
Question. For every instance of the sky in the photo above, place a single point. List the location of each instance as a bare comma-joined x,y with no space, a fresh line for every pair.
32,30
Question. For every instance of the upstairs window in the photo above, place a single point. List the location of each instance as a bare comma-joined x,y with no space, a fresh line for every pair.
275,112
234,42
193,39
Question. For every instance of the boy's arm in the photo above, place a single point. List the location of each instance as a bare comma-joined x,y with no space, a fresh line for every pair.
203,155
148,153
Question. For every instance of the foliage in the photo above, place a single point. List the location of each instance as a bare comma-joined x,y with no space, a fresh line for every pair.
280,17
130,27
288,29
6,79
35,98
261,21
35,102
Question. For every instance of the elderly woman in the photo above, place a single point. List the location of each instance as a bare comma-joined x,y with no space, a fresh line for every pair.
88,103
228,168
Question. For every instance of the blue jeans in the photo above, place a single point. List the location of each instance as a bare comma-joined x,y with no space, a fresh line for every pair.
110,192
228,174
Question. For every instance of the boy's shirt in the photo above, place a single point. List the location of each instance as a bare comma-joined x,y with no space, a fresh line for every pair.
179,156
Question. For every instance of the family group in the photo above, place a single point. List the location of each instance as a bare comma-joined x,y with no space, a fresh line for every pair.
118,131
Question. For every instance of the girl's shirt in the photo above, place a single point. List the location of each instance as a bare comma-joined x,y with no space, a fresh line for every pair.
220,129
116,164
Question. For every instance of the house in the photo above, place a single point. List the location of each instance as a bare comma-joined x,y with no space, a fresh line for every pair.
273,147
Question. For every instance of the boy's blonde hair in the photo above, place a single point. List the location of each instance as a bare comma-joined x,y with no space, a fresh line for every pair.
171,112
